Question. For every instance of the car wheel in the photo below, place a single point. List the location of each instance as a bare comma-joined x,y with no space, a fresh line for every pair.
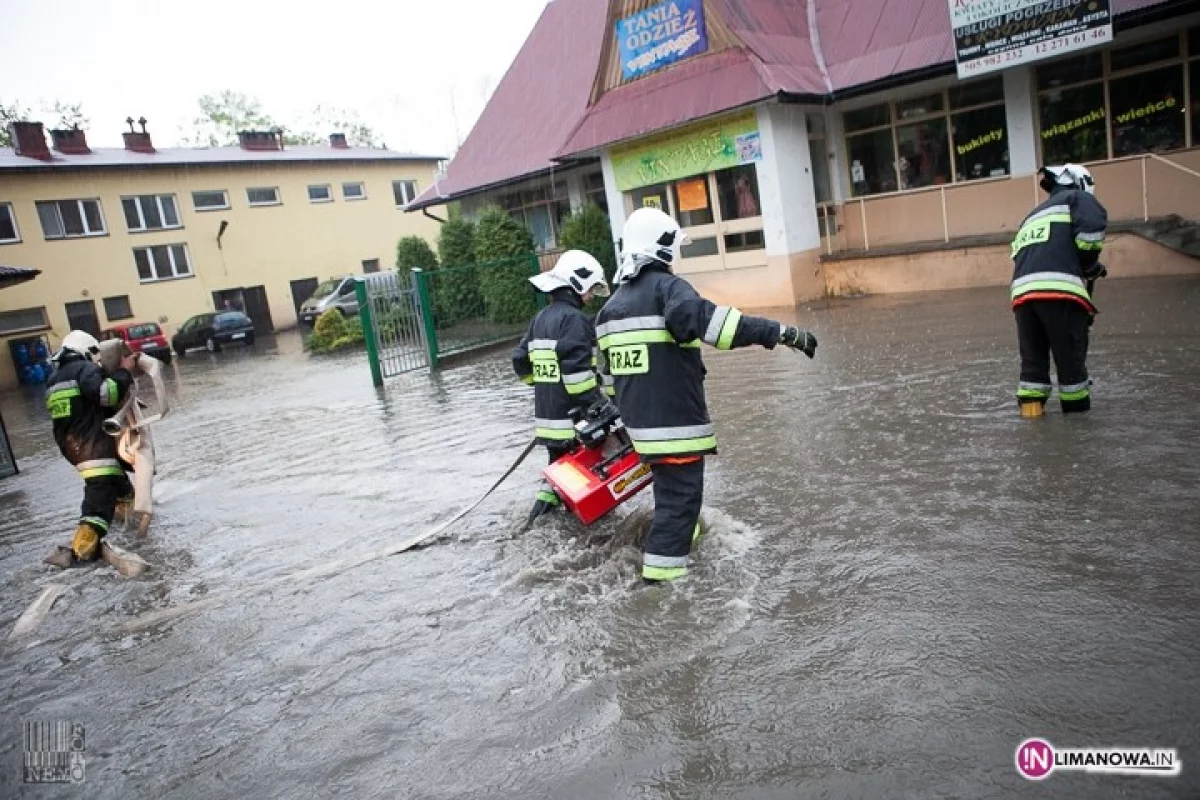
249,340
210,344
166,357
180,351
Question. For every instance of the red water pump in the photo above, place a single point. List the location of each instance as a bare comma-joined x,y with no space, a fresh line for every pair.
603,470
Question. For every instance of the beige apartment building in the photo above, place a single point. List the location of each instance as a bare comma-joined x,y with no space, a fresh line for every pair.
141,234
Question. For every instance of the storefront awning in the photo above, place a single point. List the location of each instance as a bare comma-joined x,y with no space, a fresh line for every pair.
11,276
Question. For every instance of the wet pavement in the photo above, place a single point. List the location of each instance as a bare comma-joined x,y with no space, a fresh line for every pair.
901,580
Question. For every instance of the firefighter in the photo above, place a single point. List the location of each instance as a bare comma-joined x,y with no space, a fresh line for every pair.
79,398
650,333
557,356
1056,256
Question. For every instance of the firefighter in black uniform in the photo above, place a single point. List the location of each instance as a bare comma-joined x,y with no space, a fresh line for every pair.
557,357
79,398
650,332
1056,256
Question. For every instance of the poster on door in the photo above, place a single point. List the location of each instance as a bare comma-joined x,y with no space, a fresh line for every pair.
991,35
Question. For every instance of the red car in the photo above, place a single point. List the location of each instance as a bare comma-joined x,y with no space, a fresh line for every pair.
142,337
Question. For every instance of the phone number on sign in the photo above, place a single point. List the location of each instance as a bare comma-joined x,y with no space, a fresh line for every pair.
1041,48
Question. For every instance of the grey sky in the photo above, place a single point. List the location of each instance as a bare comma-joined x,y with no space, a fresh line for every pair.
396,63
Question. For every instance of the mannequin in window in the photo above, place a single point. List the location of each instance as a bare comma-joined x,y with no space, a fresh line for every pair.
747,205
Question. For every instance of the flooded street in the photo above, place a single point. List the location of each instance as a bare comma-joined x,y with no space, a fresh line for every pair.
901,579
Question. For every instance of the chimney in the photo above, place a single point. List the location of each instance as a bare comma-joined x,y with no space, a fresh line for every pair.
260,140
338,140
137,141
29,140
72,142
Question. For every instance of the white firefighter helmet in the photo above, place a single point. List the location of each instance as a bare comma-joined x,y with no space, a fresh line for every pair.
79,342
649,235
575,270
1069,176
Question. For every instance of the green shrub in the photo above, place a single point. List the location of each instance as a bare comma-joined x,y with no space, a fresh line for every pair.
456,294
334,332
413,251
503,247
589,230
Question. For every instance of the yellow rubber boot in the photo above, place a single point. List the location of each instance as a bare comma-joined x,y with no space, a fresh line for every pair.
1033,410
86,542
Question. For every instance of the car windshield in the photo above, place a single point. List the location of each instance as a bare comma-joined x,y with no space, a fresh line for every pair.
328,287
232,319
144,331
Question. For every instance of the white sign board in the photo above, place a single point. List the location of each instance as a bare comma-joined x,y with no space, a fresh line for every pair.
990,35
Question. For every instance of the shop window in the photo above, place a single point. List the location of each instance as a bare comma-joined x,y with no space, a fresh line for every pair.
822,186
924,154
651,197
977,93
865,118
737,189
919,106
693,206
1194,42
698,248
750,240
118,307
1142,54
980,143
1073,125
1071,70
1147,112
872,162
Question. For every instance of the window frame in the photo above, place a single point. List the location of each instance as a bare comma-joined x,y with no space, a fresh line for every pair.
158,201
18,331
328,198
176,275
201,209
278,201
128,304
12,218
82,215
404,183
375,261
1191,137
362,185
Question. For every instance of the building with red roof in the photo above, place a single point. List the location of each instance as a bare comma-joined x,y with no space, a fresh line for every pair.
786,134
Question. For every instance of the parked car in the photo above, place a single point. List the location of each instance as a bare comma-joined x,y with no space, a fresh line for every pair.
212,330
142,337
334,293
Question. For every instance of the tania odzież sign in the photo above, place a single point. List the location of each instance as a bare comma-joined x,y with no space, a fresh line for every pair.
990,35
661,35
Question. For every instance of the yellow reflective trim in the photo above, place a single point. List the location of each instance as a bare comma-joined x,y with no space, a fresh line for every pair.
96,472
663,573
1036,231
1050,286
673,446
732,319
636,337
559,434
581,387
527,379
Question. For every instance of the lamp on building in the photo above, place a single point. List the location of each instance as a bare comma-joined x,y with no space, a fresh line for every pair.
221,232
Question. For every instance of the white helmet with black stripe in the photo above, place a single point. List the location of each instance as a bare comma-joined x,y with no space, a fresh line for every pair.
574,270
649,235
1068,176
79,343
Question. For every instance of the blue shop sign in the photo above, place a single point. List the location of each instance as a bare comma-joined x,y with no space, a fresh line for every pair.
661,35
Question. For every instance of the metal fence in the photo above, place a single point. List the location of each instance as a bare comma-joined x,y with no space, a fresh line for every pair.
392,325
8,464
465,308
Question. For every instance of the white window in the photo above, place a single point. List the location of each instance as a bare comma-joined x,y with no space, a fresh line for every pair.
404,191
162,263
263,196
354,191
215,200
22,320
8,225
320,194
151,212
66,219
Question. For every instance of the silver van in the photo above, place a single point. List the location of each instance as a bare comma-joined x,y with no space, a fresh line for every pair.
334,293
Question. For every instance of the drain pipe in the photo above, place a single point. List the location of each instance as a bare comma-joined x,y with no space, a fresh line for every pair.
433,217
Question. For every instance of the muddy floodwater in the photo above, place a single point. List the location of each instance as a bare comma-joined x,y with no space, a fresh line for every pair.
901,580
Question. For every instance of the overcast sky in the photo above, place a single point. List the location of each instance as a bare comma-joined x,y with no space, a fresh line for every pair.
398,63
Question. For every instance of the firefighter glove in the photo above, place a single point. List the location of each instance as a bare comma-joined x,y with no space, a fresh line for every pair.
797,339
1095,271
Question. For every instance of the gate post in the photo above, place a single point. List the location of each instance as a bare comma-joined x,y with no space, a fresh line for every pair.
535,268
368,323
423,298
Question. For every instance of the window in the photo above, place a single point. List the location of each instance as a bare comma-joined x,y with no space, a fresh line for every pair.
954,135
263,196
116,308
737,189
538,210
23,320
354,191
1072,122
66,219
214,200
163,262
1194,104
150,212
370,265
651,197
404,192
819,158
593,191
8,225
1146,109
692,203
320,194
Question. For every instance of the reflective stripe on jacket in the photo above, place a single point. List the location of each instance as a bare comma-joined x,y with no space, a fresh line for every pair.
650,333
79,397
1055,244
557,357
